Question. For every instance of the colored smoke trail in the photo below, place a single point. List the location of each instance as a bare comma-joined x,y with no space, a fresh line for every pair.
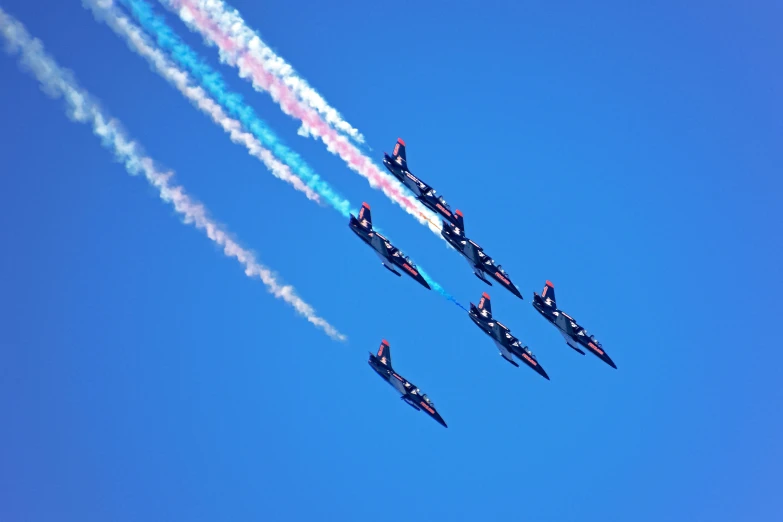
139,43
435,286
430,281
211,81
58,82
236,55
232,23
105,10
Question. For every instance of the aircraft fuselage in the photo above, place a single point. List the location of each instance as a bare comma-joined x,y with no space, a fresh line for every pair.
388,254
419,188
405,388
481,264
570,330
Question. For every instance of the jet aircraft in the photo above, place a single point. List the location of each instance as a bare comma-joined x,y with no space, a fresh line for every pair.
574,335
506,343
478,260
391,257
413,396
397,164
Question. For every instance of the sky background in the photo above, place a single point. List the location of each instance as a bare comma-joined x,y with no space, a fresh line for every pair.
630,154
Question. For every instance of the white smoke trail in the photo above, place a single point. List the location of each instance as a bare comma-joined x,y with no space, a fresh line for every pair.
231,21
57,82
104,10
251,69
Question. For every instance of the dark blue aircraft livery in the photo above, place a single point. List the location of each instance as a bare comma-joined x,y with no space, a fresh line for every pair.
413,396
575,336
508,345
478,260
391,257
397,164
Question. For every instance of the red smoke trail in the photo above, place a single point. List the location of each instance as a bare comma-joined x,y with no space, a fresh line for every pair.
291,105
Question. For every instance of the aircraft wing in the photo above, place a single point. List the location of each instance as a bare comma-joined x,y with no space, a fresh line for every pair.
507,355
382,250
570,342
472,254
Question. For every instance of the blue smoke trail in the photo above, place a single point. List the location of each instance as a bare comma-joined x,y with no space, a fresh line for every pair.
435,286
213,83
430,281
57,82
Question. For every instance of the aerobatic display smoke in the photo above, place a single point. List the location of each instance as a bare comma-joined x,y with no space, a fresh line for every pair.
58,82
104,10
231,22
212,83
235,53
430,281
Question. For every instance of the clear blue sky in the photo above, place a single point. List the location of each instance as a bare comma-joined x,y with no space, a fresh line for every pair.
632,155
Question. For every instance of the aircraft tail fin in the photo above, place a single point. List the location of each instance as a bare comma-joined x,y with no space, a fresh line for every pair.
549,292
460,220
365,215
399,152
384,353
484,303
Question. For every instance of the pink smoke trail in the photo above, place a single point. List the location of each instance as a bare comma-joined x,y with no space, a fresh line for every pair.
252,68
231,21
105,10
81,107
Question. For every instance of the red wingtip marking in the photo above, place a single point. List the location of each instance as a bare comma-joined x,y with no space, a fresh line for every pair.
399,140
549,283
385,342
459,213
365,205
485,295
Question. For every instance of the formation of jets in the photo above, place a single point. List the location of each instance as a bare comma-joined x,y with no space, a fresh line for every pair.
483,266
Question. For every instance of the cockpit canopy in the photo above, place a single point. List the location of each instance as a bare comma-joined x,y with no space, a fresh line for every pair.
433,193
584,332
399,253
500,269
595,341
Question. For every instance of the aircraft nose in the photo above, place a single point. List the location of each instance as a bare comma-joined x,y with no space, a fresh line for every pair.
542,372
608,360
